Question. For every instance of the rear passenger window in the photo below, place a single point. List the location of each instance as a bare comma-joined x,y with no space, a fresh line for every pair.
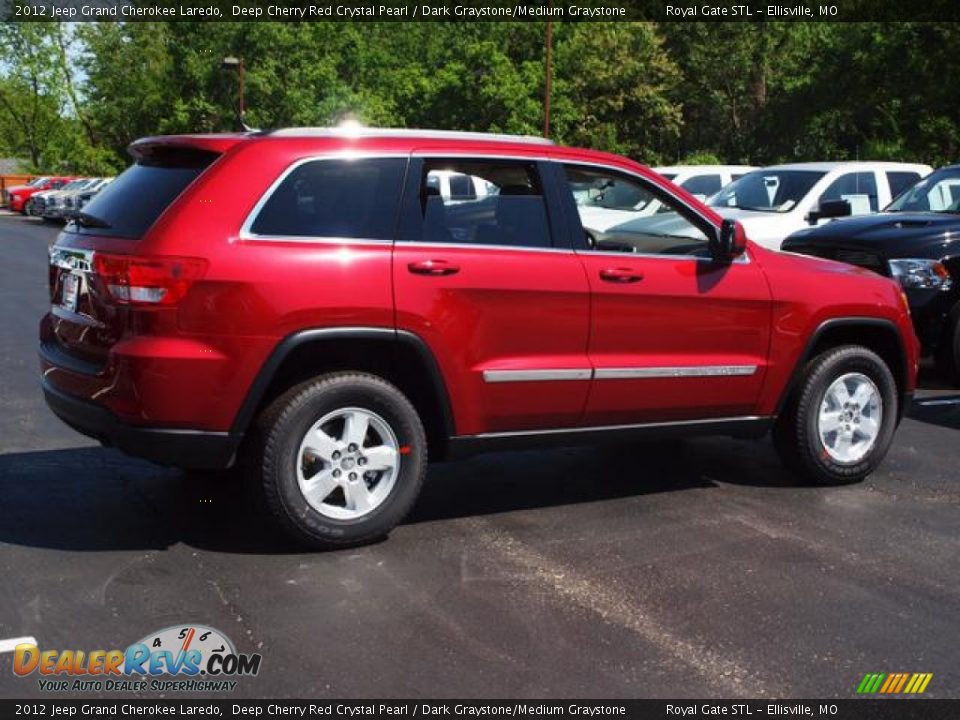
335,199
705,185
483,202
900,181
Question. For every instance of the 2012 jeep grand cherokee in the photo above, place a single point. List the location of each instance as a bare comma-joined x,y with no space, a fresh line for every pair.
320,305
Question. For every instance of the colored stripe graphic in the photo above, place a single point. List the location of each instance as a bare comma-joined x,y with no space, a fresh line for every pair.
894,683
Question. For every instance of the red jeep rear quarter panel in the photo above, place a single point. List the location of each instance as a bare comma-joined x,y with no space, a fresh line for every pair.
258,291
806,293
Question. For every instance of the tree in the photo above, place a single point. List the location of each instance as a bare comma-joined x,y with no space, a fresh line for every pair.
31,90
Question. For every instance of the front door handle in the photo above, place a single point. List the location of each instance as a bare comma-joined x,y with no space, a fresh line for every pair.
436,268
620,275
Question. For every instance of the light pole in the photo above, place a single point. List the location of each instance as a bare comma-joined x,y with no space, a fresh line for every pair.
230,63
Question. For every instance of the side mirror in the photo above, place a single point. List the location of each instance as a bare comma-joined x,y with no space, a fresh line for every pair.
731,241
830,209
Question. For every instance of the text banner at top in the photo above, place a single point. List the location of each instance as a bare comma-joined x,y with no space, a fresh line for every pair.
477,10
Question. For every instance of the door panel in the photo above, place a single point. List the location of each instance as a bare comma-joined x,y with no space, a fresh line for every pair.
689,340
674,335
507,323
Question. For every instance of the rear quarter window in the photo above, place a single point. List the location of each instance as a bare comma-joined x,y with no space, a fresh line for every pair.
334,199
129,205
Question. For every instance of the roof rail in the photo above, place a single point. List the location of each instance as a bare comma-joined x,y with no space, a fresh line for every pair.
351,131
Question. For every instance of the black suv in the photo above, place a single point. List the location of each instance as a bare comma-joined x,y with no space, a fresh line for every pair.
916,240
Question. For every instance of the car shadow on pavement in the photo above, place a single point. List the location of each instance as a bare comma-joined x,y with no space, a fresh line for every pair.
96,499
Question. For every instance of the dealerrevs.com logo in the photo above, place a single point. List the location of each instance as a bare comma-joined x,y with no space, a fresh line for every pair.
187,658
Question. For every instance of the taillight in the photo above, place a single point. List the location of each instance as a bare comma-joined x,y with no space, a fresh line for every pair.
144,280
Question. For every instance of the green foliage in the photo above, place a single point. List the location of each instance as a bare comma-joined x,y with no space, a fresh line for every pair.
72,97
702,157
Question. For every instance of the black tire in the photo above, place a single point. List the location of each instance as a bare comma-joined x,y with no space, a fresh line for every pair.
796,434
948,354
282,427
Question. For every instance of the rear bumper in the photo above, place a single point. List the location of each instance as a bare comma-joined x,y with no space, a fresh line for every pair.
198,449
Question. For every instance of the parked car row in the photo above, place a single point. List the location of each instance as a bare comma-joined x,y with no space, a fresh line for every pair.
65,203
18,195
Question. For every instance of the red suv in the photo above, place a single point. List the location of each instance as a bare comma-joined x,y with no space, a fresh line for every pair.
333,307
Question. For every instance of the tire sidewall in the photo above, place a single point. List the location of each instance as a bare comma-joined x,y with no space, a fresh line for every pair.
280,466
849,360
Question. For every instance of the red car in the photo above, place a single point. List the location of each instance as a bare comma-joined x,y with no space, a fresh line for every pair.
320,306
19,195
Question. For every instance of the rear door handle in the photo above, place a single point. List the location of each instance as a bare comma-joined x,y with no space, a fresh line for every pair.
436,268
620,275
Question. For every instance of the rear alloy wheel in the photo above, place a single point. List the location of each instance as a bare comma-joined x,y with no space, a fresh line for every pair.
343,458
348,463
840,420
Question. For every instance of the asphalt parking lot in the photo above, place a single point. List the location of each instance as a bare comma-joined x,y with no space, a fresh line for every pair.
698,569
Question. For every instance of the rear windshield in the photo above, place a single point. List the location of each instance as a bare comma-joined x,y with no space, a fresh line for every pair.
129,205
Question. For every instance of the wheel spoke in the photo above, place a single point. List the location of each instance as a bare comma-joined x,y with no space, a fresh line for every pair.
862,395
382,457
841,446
320,444
869,426
357,495
316,489
355,428
830,422
839,394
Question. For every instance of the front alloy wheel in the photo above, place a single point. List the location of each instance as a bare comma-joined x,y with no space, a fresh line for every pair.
851,416
839,421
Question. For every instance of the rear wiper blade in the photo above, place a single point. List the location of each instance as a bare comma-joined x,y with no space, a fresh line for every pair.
88,220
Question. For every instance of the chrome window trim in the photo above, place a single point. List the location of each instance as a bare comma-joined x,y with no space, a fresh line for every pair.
618,373
605,428
481,246
253,237
506,376
245,229
674,372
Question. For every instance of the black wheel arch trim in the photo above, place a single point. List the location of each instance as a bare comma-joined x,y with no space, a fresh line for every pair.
269,368
831,323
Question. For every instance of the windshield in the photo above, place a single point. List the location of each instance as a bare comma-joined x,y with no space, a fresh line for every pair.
938,192
75,185
767,190
37,181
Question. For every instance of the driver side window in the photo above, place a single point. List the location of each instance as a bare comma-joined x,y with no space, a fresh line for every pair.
623,215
